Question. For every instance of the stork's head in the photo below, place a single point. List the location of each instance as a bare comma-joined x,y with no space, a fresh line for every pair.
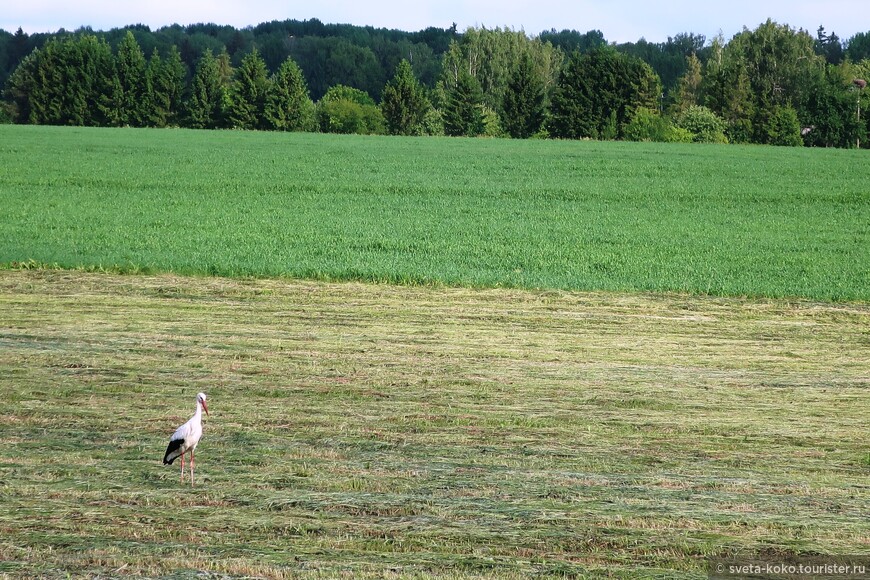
200,398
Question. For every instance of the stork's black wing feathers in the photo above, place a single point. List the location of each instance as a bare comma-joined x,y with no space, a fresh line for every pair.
170,451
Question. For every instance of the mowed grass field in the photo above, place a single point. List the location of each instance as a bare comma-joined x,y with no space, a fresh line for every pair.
720,220
578,359
363,430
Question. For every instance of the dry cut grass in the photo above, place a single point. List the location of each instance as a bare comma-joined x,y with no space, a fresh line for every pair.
379,431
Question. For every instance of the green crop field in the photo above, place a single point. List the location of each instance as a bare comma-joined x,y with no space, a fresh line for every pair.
720,220
579,359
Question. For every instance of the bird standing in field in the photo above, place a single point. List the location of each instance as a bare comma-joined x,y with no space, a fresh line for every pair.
186,438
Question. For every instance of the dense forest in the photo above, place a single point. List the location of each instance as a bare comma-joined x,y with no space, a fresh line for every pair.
771,85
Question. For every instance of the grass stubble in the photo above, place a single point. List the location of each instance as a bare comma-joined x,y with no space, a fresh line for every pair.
363,430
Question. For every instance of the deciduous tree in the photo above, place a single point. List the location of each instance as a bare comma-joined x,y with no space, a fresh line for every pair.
831,111
703,124
348,110
760,71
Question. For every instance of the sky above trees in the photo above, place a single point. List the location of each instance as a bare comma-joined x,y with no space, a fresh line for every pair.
619,20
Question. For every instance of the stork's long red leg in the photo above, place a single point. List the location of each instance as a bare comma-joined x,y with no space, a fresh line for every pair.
182,468
191,468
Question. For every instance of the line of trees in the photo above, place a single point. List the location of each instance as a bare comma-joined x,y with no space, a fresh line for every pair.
328,54
772,85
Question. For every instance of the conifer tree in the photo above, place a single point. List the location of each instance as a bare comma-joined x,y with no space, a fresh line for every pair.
155,105
164,81
404,102
599,92
248,93
71,82
130,83
689,85
288,105
173,76
524,111
204,106
463,112
572,113
21,86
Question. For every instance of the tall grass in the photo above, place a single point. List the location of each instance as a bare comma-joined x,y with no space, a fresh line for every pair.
721,220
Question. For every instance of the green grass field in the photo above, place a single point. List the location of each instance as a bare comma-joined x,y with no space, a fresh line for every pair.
581,359
721,220
362,430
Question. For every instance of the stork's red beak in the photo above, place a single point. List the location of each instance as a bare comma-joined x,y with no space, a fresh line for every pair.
205,407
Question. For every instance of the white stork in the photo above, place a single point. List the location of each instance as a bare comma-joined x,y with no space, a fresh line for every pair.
186,438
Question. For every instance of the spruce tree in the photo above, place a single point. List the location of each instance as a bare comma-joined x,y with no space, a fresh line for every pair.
164,82
73,82
288,106
524,111
463,113
173,77
21,86
404,103
156,102
130,87
689,85
571,112
248,93
599,92
204,107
